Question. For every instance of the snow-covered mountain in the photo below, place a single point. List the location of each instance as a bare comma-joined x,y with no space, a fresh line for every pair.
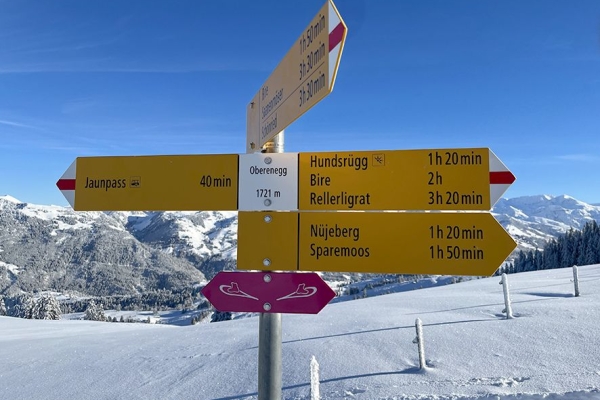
50,247
533,220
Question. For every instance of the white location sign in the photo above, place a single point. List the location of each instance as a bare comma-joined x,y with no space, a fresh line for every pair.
268,181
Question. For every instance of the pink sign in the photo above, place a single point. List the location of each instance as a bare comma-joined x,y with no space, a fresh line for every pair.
268,292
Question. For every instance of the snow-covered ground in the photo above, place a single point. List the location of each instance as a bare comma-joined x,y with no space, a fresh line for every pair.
550,350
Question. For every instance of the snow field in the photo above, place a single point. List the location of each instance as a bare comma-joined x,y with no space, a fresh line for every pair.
364,348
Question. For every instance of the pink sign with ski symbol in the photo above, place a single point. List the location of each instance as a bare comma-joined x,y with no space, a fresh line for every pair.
268,292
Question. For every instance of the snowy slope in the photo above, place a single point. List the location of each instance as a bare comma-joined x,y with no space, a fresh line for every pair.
364,349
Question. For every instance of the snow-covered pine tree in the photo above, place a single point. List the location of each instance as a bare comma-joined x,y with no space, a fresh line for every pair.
2,306
94,312
575,247
46,307
23,306
219,316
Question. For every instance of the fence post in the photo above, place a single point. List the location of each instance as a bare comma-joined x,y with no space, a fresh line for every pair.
420,341
576,280
314,379
507,307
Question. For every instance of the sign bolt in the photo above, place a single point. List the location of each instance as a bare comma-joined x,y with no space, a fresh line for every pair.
268,202
266,262
266,306
268,160
267,278
268,218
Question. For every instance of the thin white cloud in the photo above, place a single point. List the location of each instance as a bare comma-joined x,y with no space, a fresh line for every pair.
89,65
579,157
109,65
16,124
33,69
68,48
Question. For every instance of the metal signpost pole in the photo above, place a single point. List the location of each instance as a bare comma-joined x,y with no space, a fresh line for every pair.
269,328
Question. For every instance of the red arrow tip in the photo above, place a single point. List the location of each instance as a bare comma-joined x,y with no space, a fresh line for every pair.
336,36
501,177
66,184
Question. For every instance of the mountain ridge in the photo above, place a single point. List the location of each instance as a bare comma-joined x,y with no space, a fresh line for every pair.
99,253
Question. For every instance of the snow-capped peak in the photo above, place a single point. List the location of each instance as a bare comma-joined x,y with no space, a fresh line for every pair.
10,199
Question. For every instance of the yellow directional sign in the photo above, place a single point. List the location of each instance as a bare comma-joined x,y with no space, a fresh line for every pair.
443,179
388,242
303,78
152,183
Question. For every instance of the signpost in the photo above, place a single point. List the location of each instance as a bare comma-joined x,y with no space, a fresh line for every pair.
152,183
303,78
384,242
261,186
268,292
439,179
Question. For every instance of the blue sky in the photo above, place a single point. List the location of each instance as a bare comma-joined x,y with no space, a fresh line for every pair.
86,78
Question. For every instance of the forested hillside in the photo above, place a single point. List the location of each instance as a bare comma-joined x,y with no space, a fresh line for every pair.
575,247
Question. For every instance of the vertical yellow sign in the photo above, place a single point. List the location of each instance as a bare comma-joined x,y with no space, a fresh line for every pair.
303,78
267,241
